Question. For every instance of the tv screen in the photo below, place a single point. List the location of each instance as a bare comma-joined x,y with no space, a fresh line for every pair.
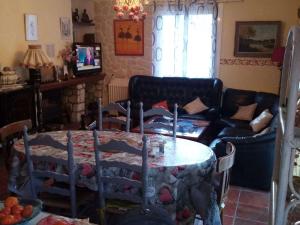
88,58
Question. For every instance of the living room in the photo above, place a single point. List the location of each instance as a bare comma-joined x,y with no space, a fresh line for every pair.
237,72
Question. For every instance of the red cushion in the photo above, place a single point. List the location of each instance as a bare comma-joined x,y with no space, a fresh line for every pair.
162,104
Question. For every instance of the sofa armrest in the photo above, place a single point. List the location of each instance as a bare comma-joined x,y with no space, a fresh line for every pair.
254,160
212,114
251,139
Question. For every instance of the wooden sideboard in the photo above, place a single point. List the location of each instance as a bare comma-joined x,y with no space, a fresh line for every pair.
21,103
16,104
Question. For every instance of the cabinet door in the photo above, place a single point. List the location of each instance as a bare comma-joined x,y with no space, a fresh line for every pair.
19,105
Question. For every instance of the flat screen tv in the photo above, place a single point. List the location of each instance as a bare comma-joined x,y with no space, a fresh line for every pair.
88,58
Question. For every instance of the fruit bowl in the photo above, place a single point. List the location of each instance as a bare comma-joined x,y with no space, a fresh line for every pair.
36,209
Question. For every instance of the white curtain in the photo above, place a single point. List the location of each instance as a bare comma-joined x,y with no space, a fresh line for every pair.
184,39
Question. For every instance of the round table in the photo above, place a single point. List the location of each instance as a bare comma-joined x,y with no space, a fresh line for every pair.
183,164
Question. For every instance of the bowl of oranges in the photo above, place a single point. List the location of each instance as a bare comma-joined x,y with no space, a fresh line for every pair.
19,211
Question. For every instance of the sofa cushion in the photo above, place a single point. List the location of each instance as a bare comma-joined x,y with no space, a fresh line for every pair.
195,106
162,104
180,90
245,112
233,98
235,132
266,101
261,121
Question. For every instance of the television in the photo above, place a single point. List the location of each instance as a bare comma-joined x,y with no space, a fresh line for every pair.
88,58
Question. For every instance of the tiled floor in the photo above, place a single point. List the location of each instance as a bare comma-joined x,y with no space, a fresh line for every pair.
246,206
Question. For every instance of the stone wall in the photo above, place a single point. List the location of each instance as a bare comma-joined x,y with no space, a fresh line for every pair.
120,66
93,92
74,101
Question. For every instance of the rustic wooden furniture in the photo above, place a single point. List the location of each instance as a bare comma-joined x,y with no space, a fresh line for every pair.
105,193
158,125
224,164
115,108
40,177
7,135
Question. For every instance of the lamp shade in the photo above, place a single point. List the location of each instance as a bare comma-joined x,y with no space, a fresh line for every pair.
278,55
35,58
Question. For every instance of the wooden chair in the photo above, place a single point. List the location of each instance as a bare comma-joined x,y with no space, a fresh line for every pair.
7,135
201,196
61,184
157,125
116,108
224,164
103,180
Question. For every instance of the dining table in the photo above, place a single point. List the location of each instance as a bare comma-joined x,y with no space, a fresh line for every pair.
172,173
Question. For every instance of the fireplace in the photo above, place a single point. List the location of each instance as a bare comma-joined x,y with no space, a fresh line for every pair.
63,103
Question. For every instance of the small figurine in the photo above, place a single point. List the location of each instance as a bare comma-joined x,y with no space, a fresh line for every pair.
75,15
85,17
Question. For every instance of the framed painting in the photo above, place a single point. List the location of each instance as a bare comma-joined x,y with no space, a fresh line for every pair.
256,38
65,28
31,27
129,37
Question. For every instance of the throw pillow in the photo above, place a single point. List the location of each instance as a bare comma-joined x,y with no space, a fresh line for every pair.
261,121
195,106
245,112
162,104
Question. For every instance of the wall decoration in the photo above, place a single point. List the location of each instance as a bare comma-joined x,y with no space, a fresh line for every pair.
31,29
247,62
65,28
256,38
129,37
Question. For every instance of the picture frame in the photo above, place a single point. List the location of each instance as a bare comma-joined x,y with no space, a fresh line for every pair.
129,37
256,38
31,27
65,28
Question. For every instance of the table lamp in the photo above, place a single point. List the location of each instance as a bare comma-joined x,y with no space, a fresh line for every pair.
34,60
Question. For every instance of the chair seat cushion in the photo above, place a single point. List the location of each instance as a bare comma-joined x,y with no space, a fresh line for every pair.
235,132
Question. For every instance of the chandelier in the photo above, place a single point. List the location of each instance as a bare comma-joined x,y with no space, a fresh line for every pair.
133,9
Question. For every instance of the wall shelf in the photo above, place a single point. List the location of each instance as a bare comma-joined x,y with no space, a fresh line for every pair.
71,82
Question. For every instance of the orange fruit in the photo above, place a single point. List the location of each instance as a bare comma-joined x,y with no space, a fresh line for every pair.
17,209
61,222
6,211
27,212
11,201
8,220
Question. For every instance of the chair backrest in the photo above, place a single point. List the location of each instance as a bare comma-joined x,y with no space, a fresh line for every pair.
36,174
102,179
223,168
8,134
157,125
114,107
13,128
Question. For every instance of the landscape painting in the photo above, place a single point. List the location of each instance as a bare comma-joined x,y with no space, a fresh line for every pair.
129,37
256,38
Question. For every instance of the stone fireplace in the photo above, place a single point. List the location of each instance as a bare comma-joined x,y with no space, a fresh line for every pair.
66,103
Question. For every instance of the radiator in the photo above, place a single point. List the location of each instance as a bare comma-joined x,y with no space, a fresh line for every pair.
117,89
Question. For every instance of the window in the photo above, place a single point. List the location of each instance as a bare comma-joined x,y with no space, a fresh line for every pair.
183,45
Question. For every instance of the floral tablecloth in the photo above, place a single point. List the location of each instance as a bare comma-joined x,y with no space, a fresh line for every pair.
183,164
